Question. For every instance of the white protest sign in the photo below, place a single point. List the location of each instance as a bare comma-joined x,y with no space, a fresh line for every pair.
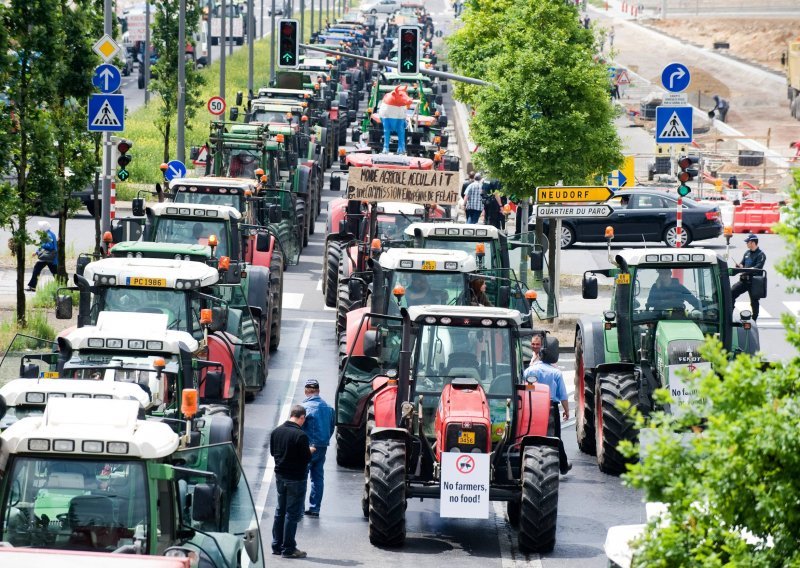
465,486
409,186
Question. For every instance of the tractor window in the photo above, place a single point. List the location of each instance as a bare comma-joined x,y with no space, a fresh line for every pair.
71,504
232,200
422,288
192,231
267,116
240,322
392,227
167,301
467,246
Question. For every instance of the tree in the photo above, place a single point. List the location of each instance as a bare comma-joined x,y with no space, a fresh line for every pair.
165,70
732,488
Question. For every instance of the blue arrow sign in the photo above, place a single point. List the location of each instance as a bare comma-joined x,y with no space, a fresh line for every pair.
675,77
106,113
616,180
107,78
175,169
673,125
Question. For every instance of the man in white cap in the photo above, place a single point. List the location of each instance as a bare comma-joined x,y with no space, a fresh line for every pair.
47,254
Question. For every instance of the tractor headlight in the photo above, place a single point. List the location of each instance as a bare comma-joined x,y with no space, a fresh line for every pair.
63,445
92,447
117,447
114,343
38,445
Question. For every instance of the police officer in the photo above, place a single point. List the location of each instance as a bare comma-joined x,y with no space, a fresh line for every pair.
753,258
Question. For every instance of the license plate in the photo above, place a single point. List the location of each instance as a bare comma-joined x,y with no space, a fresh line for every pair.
624,278
467,438
48,375
428,265
149,282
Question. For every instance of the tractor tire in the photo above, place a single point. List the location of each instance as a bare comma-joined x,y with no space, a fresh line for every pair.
367,445
584,400
350,444
387,493
611,424
276,273
301,210
539,507
344,305
342,341
333,256
513,511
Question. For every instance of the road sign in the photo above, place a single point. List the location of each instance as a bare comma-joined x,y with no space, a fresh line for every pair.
216,105
675,77
465,485
106,113
622,77
106,48
675,99
175,169
576,194
673,124
557,211
107,78
202,156
624,176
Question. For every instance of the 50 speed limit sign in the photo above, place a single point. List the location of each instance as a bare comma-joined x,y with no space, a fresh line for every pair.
216,105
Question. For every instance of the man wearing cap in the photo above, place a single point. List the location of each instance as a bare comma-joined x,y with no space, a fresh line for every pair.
47,254
318,427
753,258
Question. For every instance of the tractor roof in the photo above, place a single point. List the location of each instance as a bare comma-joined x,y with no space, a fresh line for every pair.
269,92
663,255
194,210
414,259
278,105
158,273
453,231
389,161
465,312
123,331
178,251
35,392
233,185
398,207
112,423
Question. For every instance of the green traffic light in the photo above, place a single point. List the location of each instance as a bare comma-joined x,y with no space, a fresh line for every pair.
684,190
123,175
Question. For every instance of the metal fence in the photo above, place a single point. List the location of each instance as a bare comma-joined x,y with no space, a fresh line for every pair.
717,8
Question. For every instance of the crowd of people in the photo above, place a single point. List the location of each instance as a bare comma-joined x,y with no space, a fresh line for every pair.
483,197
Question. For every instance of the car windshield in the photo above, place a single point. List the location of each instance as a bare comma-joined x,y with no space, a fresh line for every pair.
275,116
241,163
192,231
427,287
232,200
71,504
167,301
465,245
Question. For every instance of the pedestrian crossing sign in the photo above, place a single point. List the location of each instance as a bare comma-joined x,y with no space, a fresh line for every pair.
106,113
673,125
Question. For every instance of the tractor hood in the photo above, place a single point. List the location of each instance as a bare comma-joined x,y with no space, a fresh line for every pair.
463,423
677,348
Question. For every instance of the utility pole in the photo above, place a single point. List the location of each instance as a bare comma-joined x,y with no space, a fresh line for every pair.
302,20
208,34
273,45
262,19
251,25
222,38
319,19
107,150
146,57
312,15
180,141
230,24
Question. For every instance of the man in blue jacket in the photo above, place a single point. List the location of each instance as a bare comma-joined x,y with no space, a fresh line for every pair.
319,424
47,254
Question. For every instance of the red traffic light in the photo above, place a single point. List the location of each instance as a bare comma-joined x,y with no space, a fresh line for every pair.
684,163
124,145
684,177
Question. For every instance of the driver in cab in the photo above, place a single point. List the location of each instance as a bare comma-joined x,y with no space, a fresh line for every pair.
419,291
668,293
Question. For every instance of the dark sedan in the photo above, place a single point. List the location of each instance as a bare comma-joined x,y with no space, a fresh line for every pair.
648,215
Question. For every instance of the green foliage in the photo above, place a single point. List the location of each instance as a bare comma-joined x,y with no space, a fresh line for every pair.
45,296
37,326
547,117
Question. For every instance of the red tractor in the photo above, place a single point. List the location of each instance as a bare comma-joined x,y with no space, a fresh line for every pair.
447,379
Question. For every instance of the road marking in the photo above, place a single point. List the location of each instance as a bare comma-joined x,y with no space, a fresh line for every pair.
319,285
794,308
292,300
508,552
746,306
269,471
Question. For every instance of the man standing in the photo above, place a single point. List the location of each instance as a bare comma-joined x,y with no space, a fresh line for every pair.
320,421
541,372
288,444
722,106
47,254
753,258
473,199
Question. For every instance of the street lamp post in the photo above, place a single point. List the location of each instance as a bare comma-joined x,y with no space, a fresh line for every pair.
180,142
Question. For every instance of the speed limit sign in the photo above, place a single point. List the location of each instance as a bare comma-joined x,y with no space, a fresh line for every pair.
216,105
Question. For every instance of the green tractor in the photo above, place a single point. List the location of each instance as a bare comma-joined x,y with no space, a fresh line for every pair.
665,303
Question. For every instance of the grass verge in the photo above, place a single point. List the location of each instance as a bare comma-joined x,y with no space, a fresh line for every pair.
38,326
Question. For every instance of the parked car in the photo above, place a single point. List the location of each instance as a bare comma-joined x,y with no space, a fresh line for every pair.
381,6
649,215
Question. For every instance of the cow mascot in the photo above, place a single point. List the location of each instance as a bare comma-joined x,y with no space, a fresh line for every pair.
393,117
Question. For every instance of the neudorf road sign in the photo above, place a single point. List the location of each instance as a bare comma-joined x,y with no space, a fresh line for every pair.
564,194
558,211
411,186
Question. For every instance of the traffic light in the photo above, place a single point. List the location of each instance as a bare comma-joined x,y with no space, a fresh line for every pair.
288,44
123,159
688,173
408,58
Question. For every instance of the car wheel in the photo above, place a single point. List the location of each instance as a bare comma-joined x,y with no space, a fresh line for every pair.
567,236
671,236
373,11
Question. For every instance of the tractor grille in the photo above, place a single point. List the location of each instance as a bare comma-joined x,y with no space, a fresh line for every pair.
459,437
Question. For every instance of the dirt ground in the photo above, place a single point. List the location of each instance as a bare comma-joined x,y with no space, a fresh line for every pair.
759,40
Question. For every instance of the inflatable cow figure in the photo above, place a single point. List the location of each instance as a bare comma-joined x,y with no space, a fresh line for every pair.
393,117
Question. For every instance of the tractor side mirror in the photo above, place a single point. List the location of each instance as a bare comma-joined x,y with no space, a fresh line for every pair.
589,287
3,407
238,98
443,88
537,261
251,539
439,99
758,286
372,347
262,242
80,265
205,502
194,152
63,306
219,318
234,114
504,296
351,115
29,371
354,289
137,207
118,233
275,215
549,352
342,226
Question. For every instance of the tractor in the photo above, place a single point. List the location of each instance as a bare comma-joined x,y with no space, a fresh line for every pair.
664,304
448,379
89,475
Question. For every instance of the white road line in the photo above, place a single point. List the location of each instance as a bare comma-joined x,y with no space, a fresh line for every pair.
793,307
319,285
292,300
739,306
269,471
509,555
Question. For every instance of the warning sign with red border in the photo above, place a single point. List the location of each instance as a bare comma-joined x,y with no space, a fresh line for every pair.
465,486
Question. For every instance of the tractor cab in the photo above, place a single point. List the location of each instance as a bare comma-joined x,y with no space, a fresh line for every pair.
223,191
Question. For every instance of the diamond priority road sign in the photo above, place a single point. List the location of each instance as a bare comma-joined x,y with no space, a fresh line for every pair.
558,211
573,194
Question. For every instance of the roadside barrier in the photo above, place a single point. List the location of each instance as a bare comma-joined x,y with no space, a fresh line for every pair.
755,217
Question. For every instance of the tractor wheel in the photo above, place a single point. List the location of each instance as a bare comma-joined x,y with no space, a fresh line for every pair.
342,350
350,446
365,492
277,301
611,424
301,210
539,508
343,303
584,400
513,511
387,493
330,284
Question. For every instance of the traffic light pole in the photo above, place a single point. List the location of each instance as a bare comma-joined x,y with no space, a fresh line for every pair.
302,20
105,214
222,38
251,33
180,141
273,42
679,223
